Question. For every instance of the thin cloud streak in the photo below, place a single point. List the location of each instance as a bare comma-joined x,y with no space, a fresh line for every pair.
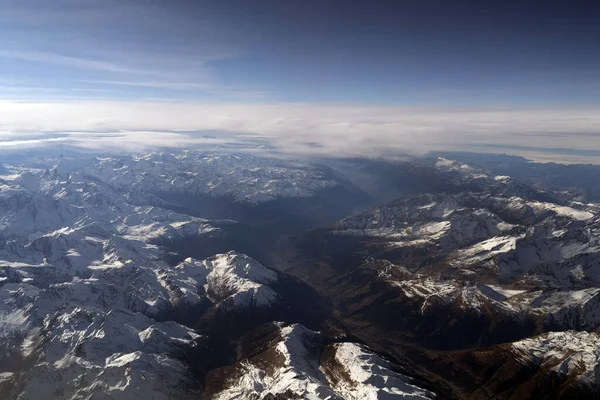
120,75
110,43
158,84
69,61
190,86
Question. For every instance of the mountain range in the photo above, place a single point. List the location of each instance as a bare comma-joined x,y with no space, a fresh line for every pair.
206,275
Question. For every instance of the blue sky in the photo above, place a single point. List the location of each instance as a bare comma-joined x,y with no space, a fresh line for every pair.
380,52
355,77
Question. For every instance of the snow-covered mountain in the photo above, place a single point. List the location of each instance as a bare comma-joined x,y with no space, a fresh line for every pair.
91,304
293,362
88,300
126,276
482,260
241,176
493,247
110,334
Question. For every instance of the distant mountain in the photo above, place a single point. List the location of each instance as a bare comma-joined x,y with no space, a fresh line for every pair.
583,179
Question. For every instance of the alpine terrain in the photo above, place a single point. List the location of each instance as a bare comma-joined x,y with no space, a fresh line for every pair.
217,275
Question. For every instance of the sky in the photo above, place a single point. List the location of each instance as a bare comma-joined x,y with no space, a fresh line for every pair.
351,76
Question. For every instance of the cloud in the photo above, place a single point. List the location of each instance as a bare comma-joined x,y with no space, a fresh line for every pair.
309,129
69,61
158,84
191,86
123,46
120,76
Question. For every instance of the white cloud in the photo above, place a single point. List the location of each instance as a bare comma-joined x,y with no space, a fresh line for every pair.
158,84
310,128
52,58
211,88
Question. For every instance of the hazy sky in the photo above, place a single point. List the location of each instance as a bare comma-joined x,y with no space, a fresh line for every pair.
302,61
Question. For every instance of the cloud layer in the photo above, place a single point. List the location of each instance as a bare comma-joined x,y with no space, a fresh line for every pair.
299,129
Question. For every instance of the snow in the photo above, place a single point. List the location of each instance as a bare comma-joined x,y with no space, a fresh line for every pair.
563,211
112,351
83,285
243,176
508,293
302,374
445,208
299,373
428,290
443,162
433,229
371,377
231,279
485,250
16,320
573,354
5,376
